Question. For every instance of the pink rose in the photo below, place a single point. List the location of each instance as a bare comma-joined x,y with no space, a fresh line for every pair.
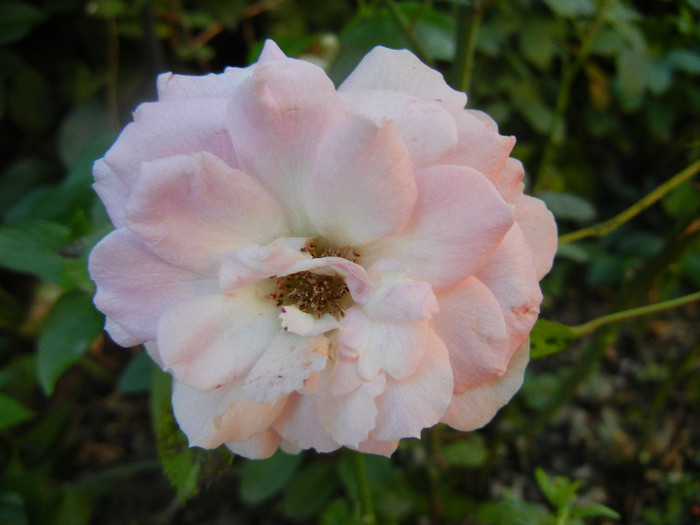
316,267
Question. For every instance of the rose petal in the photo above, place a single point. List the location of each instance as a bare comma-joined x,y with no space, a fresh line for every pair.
458,222
427,129
113,192
408,406
277,127
260,446
191,209
382,448
209,419
510,275
471,324
540,231
183,87
475,407
134,286
479,144
300,426
401,70
213,340
305,324
395,348
362,186
285,366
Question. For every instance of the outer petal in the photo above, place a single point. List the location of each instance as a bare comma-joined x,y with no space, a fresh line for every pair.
395,348
134,287
212,418
479,144
213,340
393,70
350,417
458,222
362,186
475,407
408,406
511,277
470,322
113,192
278,117
540,230
285,366
427,129
382,448
191,209
260,446
178,87
300,426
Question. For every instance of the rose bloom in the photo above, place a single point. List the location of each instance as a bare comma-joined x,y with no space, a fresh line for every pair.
321,268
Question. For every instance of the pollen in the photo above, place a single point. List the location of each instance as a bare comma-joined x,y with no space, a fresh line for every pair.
312,292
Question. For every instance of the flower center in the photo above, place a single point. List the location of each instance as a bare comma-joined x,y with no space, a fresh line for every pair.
316,293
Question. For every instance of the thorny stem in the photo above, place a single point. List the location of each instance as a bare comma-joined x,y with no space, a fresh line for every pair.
368,516
544,173
586,328
408,30
603,228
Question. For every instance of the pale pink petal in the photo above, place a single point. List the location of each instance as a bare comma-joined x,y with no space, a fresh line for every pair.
408,406
427,129
362,186
112,192
510,180
540,231
350,417
278,117
209,419
396,348
177,87
343,376
167,128
458,222
254,262
471,324
152,350
213,340
382,448
300,426
286,365
356,279
191,209
119,335
270,51
475,407
260,446
510,275
401,70
134,286
479,144
398,299
304,324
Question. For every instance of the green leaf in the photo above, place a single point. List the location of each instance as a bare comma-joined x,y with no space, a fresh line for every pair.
310,490
685,60
261,480
12,412
67,333
12,509
467,452
571,8
32,248
548,338
137,375
567,206
546,485
18,19
594,510
179,462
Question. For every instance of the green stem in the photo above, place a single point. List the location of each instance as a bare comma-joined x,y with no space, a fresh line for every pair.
554,137
409,33
368,516
467,32
603,228
590,326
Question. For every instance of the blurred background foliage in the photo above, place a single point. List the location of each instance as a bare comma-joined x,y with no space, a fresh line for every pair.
604,97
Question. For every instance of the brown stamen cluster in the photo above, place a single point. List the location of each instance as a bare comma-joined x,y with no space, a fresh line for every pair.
311,292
